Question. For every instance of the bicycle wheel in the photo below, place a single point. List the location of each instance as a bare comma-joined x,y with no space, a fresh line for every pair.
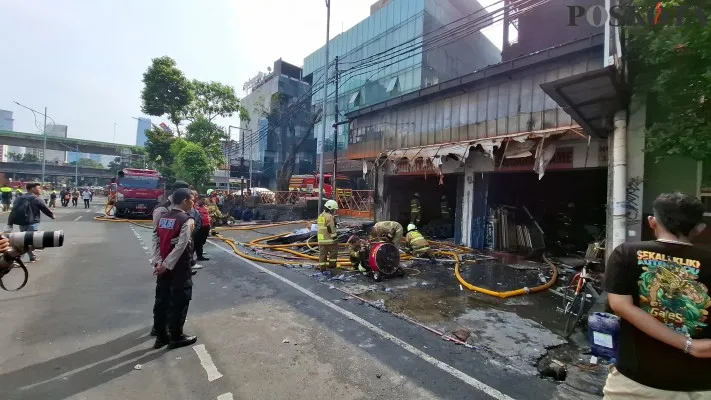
573,307
15,277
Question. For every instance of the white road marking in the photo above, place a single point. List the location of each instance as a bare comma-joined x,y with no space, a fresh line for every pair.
77,218
207,364
469,380
226,396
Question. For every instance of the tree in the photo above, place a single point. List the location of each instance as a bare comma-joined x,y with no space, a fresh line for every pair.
30,158
669,66
283,117
157,149
166,91
208,135
193,165
88,163
212,100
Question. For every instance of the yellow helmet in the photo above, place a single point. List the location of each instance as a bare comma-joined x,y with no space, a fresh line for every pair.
331,205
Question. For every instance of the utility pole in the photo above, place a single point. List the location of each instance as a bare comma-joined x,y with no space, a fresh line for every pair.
241,169
335,139
325,103
44,144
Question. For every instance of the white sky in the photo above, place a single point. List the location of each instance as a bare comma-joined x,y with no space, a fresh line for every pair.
84,59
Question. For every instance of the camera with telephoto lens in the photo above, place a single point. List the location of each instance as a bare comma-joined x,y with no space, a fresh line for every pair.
22,242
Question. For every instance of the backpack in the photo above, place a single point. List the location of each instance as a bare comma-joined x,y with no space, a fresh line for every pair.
22,213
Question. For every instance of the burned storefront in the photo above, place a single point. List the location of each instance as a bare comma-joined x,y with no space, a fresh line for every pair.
537,192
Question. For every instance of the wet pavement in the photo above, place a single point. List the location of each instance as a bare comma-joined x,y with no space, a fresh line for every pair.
522,333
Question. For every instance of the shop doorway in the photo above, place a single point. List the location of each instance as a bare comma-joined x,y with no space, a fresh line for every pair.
562,213
401,190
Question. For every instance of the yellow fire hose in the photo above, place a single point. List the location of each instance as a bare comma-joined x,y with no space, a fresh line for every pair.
343,263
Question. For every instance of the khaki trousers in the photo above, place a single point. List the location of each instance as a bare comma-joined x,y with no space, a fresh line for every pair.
327,256
620,387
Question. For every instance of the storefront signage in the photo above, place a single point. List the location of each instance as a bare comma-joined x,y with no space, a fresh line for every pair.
418,168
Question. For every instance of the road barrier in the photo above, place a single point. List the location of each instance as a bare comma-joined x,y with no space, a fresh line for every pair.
355,203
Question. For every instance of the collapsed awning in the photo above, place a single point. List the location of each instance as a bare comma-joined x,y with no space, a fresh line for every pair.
460,150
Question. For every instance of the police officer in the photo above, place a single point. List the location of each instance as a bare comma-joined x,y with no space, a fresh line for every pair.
388,230
415,209
162,290
327,246
444,208
417,243
6,194
175,230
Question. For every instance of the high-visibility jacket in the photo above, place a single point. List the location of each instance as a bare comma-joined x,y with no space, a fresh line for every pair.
415,205
385,228
326,228
6,189
417,242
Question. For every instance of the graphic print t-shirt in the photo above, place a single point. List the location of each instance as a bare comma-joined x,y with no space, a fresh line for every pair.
669,281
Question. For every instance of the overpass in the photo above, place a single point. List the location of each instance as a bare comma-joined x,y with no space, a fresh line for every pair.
34,140
10,168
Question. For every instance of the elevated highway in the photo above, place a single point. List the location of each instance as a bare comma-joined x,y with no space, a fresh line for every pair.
34,140
10,168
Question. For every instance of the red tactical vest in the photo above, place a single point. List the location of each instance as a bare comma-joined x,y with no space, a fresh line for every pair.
204,215
169,227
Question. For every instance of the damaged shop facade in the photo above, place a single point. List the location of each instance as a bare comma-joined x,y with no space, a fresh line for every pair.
511,162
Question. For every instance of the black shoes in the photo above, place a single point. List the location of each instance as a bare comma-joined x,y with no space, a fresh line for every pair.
203,259
182,341
161,340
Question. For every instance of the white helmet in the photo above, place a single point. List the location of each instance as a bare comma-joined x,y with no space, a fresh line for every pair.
331,205
411,227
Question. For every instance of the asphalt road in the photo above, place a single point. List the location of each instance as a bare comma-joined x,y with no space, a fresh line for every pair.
79,330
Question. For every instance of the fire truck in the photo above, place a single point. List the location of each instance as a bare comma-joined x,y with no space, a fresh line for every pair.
136,192
308,184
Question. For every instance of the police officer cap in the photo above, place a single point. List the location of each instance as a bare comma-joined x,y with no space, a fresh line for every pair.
180,185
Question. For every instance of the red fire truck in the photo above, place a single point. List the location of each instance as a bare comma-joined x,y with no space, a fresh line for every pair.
308,184
136,192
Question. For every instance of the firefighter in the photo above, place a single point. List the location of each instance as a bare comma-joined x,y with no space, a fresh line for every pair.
445,211
327,245
173,274
415,210
6,194
417,244
390,231
18,193
358,252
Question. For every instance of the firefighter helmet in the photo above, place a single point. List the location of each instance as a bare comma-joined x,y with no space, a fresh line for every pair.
417,194
411,227
331,205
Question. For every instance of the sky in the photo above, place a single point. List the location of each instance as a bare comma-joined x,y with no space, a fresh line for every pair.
84,59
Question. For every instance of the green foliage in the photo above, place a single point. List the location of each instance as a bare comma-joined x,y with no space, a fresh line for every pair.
88,163
30,158
208,135
166,91
14,156
193,165
158,143
671,66
212,99
177,146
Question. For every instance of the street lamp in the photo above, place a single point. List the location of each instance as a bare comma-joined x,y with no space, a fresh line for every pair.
44,134
229,133
325,103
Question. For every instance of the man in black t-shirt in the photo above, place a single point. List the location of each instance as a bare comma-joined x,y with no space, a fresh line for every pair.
659,289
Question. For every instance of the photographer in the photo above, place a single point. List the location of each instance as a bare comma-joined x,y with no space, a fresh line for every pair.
26,212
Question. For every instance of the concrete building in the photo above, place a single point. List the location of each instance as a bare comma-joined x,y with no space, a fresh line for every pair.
7,124
56,156
280,95
398,50
142,125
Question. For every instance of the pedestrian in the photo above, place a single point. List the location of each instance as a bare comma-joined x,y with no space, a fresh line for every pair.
86,196
75,197
417,244
415,209
65,197
204,231
6,197
172,269
91,195
198,223
18,193
26,211
53,199
327,245
659,289
390,231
